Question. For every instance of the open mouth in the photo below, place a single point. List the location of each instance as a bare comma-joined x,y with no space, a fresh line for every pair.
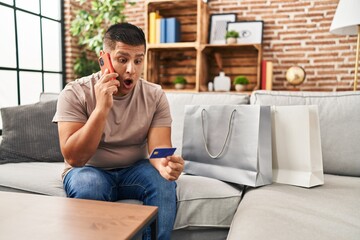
128,83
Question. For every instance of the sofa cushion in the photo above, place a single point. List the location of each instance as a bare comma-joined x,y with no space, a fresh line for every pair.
205,202
330,211
29,135
34,177
339,116
177,102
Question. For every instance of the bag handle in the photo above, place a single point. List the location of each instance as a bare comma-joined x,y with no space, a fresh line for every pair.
227,135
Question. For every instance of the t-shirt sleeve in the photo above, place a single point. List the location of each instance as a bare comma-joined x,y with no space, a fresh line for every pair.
70,107
162,116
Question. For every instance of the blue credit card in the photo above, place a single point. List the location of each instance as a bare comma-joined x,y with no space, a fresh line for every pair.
162,152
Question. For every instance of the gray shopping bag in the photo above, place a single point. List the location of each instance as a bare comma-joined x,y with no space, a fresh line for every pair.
228,142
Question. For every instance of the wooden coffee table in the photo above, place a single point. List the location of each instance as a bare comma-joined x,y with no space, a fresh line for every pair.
29,216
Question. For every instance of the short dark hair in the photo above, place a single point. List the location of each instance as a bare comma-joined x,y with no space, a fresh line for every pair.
125,33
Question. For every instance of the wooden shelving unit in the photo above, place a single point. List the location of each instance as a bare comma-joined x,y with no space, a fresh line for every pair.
193,57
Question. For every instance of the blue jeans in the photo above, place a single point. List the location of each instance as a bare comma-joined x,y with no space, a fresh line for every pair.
140,181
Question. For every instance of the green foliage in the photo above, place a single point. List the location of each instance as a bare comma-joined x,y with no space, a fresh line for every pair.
241,80
90,26
180,80
232,34
84,66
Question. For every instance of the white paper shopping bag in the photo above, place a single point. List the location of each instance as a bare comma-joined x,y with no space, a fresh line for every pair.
296,145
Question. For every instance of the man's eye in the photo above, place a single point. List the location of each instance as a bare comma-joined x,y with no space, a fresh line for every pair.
122,60
138,61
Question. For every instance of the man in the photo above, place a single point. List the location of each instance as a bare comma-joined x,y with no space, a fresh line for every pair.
108,126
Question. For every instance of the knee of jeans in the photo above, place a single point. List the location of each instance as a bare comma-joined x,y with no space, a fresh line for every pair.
88,184
163,187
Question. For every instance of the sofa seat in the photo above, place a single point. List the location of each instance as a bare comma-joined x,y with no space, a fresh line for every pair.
330,211
34,177
203,212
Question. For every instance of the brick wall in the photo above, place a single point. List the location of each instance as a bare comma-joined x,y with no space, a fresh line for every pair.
72,50
296,32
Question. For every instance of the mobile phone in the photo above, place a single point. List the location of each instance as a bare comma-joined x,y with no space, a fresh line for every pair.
162,152
105,62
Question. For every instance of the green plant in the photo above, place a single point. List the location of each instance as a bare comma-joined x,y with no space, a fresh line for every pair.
241,80
232,34
84,66
180,80
90,26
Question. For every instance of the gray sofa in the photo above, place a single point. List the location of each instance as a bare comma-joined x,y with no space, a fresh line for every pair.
211,209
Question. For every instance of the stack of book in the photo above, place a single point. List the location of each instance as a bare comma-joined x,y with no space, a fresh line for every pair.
163,30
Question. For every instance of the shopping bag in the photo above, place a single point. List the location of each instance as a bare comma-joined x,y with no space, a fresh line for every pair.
228,142
297,156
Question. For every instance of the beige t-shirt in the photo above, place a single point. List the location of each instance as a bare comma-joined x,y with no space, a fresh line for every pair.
125,134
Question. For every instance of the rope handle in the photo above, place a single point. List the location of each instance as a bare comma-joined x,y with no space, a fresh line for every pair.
227,135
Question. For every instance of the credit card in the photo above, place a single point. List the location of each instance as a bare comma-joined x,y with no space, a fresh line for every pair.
162,152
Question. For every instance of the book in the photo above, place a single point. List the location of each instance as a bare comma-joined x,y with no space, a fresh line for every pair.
152,26
163,30
269,75
157,30
263,75
172,30
266,75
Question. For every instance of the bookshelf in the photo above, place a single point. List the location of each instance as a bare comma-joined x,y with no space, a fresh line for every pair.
193,57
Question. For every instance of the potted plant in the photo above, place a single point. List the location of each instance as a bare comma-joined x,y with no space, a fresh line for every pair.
180,82
84,66
231,37
240,83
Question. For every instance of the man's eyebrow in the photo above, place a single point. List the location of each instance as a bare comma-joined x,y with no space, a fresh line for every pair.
128,55
122,53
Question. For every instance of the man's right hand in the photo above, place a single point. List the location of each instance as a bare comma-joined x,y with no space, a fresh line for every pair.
105,88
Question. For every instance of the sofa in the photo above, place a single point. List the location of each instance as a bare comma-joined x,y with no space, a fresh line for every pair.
208,208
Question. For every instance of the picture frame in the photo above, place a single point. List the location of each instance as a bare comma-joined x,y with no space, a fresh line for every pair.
250,32
218,26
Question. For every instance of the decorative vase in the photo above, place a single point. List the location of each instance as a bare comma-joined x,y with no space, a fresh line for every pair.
222,82
240,87
179,86
231,40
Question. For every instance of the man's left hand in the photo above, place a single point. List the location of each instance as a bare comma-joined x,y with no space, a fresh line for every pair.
171,167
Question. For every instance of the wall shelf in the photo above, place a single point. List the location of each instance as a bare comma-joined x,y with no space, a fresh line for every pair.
193,57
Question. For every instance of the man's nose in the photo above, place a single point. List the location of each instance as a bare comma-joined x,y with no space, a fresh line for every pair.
130,68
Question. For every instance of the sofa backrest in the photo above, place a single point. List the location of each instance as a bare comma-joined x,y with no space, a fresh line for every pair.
178,100
339,115
44,97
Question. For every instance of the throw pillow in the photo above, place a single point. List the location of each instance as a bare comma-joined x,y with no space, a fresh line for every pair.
29,135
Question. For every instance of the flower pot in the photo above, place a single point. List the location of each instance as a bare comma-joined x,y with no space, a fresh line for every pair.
231,40
240,87
179,86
